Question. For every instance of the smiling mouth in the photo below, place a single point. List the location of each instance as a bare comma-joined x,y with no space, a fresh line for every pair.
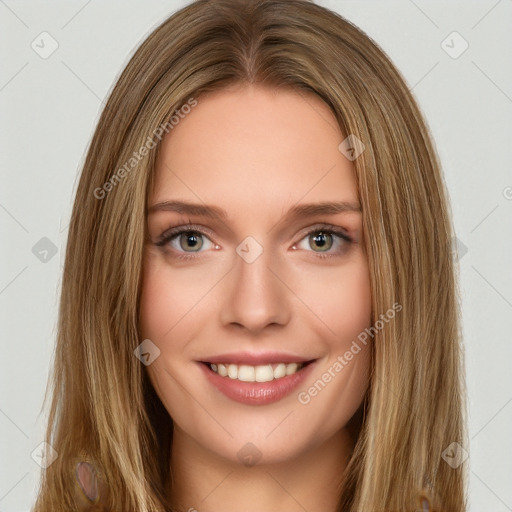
259,373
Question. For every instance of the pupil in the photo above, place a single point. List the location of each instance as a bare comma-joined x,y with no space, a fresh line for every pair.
192,238
321,243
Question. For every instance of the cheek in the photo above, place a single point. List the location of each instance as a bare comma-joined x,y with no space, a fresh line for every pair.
156,316
343,303
351,304
157,312
339,299
168,302
169,298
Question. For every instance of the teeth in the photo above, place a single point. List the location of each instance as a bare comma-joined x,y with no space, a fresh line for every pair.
280,371
233,371
246,373
291,368
263,373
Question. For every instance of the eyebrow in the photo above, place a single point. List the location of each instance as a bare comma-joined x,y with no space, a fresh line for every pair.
295,212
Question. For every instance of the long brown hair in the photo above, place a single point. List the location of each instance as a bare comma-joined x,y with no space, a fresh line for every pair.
103,408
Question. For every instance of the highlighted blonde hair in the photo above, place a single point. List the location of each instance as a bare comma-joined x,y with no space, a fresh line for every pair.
104,409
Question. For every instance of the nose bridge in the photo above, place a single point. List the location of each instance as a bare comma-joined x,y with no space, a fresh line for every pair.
257,297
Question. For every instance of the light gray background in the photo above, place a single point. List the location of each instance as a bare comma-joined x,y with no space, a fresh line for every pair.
49,111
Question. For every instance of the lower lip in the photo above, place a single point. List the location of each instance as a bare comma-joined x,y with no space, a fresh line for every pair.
257,393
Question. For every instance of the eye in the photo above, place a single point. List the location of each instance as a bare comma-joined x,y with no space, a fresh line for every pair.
185,239
189,239
324,238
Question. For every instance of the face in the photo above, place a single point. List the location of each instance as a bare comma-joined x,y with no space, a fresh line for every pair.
252,282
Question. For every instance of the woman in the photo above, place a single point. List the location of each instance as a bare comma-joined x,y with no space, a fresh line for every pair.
259,304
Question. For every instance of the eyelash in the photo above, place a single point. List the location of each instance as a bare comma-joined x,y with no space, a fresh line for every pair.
173,233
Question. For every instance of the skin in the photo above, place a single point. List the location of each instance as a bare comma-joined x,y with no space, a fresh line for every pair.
256,152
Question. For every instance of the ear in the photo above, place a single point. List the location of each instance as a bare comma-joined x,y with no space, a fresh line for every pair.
92,493
86,476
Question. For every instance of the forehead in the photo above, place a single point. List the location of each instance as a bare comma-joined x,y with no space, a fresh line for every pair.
254,146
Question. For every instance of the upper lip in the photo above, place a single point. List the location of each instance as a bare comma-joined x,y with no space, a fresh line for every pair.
254,359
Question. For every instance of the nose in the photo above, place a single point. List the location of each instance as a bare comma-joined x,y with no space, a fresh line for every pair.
256,295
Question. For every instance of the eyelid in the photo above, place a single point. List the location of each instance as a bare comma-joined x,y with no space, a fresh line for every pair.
322,226
170,233
164,237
